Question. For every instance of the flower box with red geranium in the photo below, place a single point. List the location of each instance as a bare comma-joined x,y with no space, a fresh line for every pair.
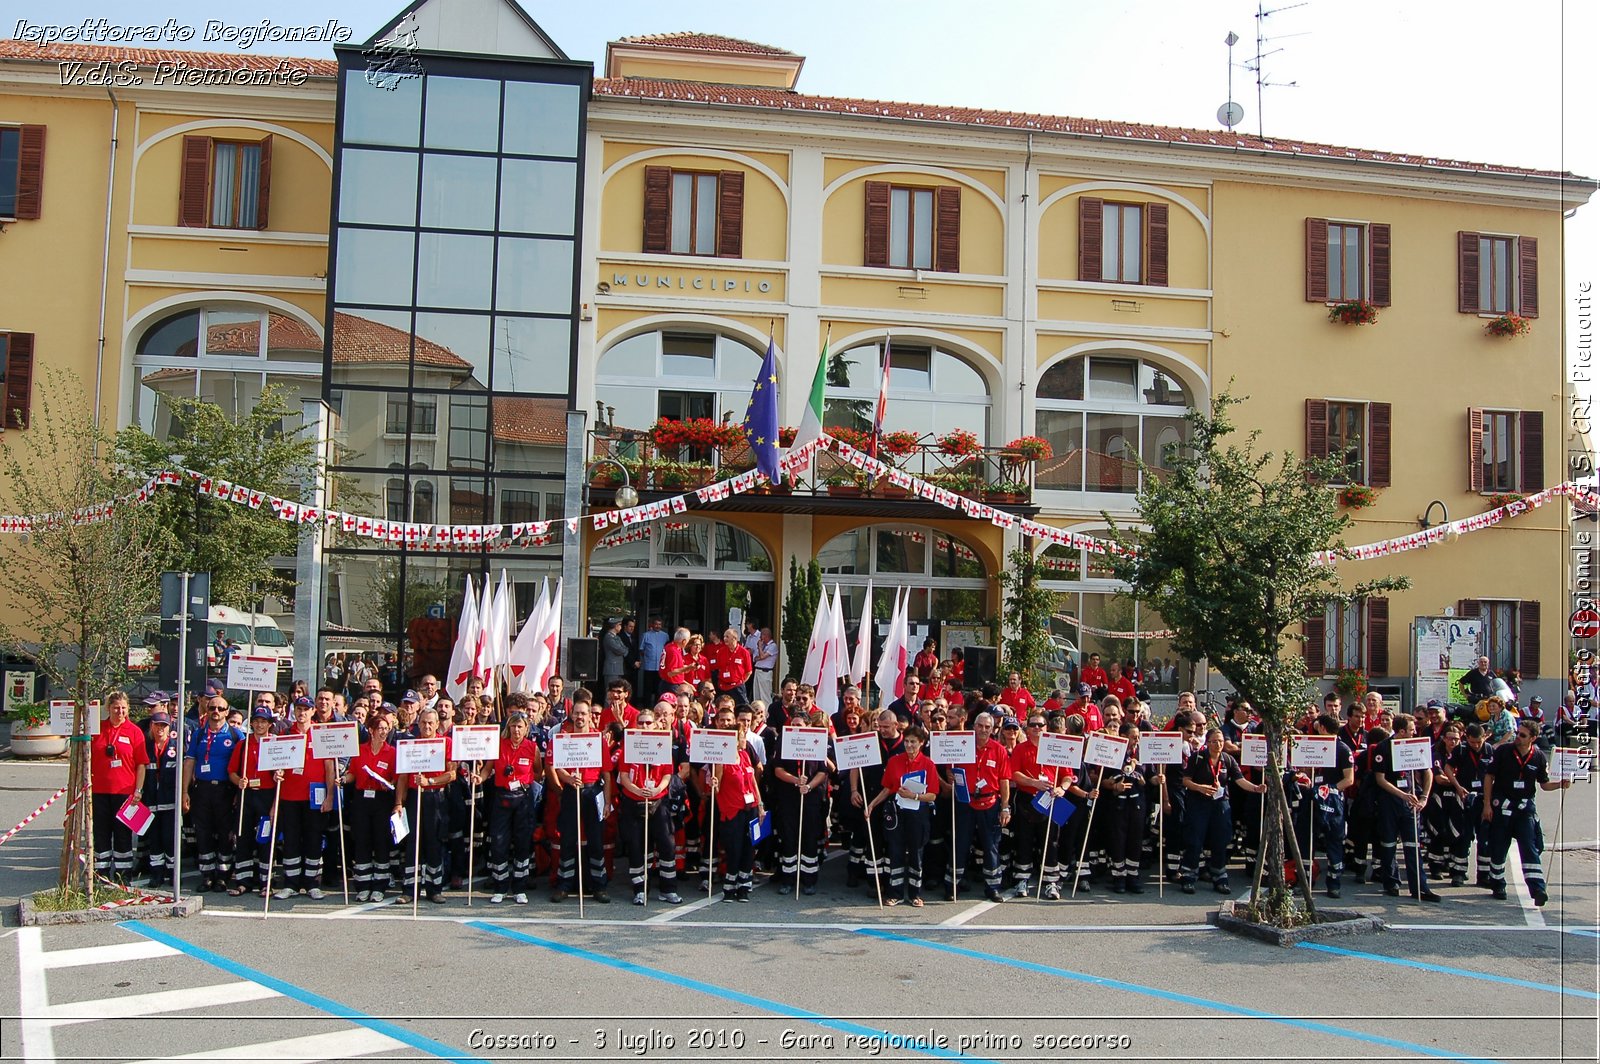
1357,496
1031,448
856,438
1351,685
700,433
900,443
1503,499
786,436
1508,325
960,442
1353,312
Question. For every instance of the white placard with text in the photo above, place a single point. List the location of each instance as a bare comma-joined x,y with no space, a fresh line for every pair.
1061,751
474,742
1314,751
857,751
1410,755
1570,763
419,755
647,747
952,748
275,752
1106,751
571,750
338,739
1161,748
1253,751
252,674
62,712
805,744
709,746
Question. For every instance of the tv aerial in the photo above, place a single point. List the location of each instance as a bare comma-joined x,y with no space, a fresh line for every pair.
1254,63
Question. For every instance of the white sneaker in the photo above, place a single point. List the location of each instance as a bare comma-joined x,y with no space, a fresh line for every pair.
284,893
315,893
362,895
497,899
638,899
671,897
1021,890
521,899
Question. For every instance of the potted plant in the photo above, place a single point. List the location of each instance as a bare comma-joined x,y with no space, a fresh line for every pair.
900,443
1503,499
960,443
1351,685
860,439
844,482
1031,448
1011,491
1508,325
1357,496
604,475
30,732
959,482
676,476
787,435
1353,312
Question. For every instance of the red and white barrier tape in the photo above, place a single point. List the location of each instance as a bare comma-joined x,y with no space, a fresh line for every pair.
31,817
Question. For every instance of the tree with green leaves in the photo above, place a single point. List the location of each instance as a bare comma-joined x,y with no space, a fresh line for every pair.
800,604
256,449
1228,558
81,581
1026,614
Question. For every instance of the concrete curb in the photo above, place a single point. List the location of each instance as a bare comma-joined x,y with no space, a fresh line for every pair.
1331,923
29,915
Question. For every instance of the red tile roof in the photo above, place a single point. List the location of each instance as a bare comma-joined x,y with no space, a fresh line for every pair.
702,42
651,89
93,53
531,421
357,339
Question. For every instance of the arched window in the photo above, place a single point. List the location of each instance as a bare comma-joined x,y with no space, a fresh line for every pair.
680,544
930,390
675,374
947,577
226,355
1100,413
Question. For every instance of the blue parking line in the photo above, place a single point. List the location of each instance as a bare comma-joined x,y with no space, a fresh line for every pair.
305,997
1426,967
912,1044
1178,998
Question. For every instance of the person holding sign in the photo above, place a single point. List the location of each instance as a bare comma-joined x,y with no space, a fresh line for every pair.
299,821
872,843
983,805
911,783
1518,769
800,791
1464,774
256,791
1325,789
581,792
512,815
371,778
642,787
161,794
1208,818
1126,818
1031,833
206,794
117,764
428,847
738,805
1401,795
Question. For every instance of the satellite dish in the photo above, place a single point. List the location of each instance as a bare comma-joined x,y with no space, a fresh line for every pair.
1230,114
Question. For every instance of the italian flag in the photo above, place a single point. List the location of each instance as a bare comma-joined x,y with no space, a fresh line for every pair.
811,421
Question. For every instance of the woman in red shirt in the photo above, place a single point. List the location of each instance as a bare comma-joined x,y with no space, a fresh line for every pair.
738,806
511,816
370,775
913,800
256,792
696,666
642,792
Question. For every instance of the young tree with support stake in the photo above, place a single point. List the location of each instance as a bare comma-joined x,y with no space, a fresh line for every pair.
82,588
1226,557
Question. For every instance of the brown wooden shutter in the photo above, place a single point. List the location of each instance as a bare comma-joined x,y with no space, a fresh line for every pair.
1467,272
1316,428
30,173
1091,213
19,380
264,192
1377,636
1316,654
1469,608
1474,449
875,234
1528,276
194,186
1528,622
1378,252
1316,260
730,214
657,209
1157,239
1531,448
1378,464
947,229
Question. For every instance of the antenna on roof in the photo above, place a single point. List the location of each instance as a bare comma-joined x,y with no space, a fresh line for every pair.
1230,114
1254,63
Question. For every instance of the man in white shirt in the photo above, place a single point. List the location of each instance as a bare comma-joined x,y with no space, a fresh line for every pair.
764,659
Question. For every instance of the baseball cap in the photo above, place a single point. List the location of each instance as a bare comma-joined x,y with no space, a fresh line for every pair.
156,698
261,713
215,690
387,707
1010,722
1085,689
668,697
302,702
1536,698
1434,703
410,696
160,716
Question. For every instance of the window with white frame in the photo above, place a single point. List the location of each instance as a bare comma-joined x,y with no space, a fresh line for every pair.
1100,414
931,390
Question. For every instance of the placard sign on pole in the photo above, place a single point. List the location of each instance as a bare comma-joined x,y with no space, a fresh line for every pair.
474,742
1314,751
1253,751
1062,751
647,747
1105,751
338,739
1161,748
952,748
252,674
575,750
709,746
63,712
1570,763
419,755
805,744
857,751
1412,755
275,752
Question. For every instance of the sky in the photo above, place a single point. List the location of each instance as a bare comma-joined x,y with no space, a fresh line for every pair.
1478,80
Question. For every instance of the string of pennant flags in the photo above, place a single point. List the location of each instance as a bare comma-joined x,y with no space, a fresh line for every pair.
504,536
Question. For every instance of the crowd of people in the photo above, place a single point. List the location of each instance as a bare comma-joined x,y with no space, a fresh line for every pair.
907,828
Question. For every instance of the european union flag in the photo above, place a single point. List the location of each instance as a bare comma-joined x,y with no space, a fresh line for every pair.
761,417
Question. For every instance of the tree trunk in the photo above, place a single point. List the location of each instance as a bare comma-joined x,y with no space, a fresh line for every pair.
77,835
1277,833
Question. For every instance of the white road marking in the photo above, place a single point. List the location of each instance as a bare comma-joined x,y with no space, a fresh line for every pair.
677,911
190,998
119,954
357,910
38,1043
1530,912
339,1045
972,913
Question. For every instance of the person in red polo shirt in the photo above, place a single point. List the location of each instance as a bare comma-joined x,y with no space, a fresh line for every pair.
1093,674
642,792
299,822
581,790
116,771
1119,685
983,805
256,792
371,777
927,659
516,794
729,666
1018,697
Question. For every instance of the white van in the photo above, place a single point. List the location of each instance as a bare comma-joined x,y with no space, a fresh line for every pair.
267,641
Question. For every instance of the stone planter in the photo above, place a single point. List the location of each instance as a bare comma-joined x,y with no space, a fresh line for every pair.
38,741
29,915
1331,924
845,491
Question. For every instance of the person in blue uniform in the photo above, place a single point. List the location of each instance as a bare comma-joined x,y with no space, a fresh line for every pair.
207,792
1208,818
161,796
1519,770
